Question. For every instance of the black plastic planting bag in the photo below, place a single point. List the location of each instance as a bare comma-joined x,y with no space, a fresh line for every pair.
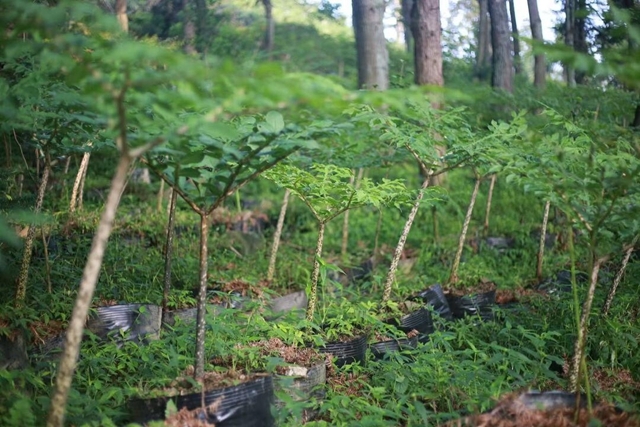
549,400
244,405
352,351
434,297
419,320
132,321
561,282
473,305
382,348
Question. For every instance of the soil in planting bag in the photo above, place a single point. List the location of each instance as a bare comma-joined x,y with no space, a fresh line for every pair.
549,400
139,321
13,352
419,320
382,348
243,405
352,351
301,383
473,305
293,301
434,297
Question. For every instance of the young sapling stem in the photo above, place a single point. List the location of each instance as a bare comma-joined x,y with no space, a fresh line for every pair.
277,235
354,181
315,275
76,184
453,279
578,352
543,238
202,297
21,288
161,196
492,184
618,278
391,275
168,253
47,264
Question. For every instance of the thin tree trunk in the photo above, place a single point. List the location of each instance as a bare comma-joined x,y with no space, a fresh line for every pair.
270,31
483,62
81,189
202,298
315,275
168,252
543,238
121,14
189,31
77,183
376,239
354,181
516,38
492,184
277,235
502,77
406,6
67,364
391,275
426,29
371,45
569,37
453,279
540,66
618,278
161,196
67,163
47,264
21,288
583,328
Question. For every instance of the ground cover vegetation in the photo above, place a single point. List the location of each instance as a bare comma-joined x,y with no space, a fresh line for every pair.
213,218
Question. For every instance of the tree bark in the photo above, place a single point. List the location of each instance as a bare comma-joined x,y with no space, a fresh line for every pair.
391,275
21,288
189,32
406,6
315,275
543,238
540,66
580,35
371,45
578,352
168,252
202,298
483,60
121,15
502,75
516,38
569,37
277,235
90,274
492,185
426,30
618,278
270,31
84,164
453,278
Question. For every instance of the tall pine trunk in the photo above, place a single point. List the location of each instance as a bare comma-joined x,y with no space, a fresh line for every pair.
540,66
371,45
502,74
426,30
270,30
516,38
483,61
121,15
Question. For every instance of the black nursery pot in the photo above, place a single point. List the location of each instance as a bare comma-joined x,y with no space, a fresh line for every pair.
382,348
301,383
345,353
244,405
141,321
481,304
419,320
434,297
